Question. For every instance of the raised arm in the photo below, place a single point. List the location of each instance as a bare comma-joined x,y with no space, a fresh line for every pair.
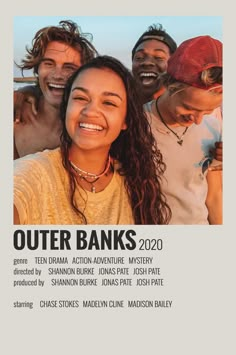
214,199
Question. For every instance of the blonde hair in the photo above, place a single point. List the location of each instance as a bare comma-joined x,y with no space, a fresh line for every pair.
208,77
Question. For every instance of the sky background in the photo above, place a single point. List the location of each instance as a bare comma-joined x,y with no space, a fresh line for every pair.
115,35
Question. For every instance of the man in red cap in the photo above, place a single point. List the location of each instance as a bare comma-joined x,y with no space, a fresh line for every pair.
186,131
150,56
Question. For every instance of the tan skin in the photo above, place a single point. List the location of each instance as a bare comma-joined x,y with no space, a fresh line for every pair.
151,56
25,102
214,197
94,119
38,131
96,114
188,107
41,133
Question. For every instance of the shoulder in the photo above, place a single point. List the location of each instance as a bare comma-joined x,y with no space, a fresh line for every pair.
148,106
148,110
39,160
214,119
217,113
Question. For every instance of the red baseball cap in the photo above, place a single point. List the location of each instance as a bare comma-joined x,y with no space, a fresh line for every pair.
192,57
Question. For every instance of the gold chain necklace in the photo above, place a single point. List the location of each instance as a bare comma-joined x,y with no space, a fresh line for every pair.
180,138
91,178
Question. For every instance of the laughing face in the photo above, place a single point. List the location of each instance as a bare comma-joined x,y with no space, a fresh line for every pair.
150,60
96,109
189,106
58,64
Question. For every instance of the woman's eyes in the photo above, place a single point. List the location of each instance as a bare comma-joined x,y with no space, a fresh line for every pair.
109,103
80,98
85,99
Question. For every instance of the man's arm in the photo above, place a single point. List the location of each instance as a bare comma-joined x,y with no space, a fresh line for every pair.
218,151
214,199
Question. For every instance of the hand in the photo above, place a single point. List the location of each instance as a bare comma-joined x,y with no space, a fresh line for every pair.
217,164
24,106
219,151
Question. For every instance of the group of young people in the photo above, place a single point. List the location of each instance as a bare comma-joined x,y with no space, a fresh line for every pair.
102,145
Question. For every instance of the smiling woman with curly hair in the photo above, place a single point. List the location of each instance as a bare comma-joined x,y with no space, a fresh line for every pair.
107,169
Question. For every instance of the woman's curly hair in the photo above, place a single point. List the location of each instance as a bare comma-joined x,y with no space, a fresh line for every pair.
135,148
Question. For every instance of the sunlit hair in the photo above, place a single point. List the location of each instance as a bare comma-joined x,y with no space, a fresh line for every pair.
209,77
135,148
212,76
66,32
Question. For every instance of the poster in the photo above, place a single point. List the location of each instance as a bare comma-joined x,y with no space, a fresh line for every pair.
184,304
